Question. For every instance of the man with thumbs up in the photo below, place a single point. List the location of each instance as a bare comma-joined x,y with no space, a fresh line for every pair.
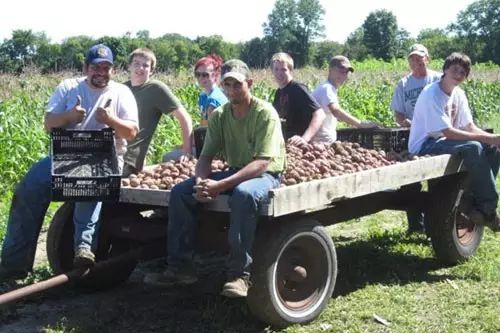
90,102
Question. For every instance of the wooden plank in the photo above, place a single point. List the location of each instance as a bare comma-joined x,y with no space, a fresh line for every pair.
309,195
318,193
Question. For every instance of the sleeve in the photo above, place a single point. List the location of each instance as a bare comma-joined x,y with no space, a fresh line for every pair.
166,100
437,119
308,101
59,99
397,102
327,96
213,139
268,132
127,107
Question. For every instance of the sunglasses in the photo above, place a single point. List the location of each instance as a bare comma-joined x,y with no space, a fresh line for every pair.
201,74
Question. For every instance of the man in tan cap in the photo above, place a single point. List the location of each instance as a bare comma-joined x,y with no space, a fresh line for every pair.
326,95
246,131
403,104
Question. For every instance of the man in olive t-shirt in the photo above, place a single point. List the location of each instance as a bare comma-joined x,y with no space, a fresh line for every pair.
154,99
247,132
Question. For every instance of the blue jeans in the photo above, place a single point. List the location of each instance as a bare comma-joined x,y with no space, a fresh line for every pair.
244,203
29,205
482,162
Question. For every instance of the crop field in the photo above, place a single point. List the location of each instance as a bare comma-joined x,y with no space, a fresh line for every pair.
382,271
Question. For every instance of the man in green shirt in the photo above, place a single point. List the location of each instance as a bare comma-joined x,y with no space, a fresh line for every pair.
154,99
247,132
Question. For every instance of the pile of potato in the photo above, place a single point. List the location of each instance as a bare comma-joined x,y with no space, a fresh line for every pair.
304,163
165,175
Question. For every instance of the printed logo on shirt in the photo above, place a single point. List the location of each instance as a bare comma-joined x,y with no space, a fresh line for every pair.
412,95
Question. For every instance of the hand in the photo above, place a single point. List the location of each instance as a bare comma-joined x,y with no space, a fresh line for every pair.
369,124
298,141
201,194
103,114
77,112
185,157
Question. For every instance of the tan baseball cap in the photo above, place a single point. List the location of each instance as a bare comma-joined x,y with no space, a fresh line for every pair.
418,49
235,69
341,61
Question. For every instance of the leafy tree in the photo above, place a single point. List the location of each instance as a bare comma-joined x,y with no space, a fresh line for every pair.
354,45
321,52
216,44
292,26
255,53
403,43
439,44
479,26
379,34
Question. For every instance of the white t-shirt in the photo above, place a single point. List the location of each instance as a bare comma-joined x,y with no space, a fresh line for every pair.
326,94
123,104
436,111
407,91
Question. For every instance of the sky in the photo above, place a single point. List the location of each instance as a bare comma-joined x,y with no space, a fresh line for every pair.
234,20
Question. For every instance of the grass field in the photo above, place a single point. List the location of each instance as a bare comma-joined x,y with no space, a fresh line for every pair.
382,272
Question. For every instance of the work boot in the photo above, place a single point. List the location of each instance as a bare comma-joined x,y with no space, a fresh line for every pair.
491,221
236,288
84,258
170,278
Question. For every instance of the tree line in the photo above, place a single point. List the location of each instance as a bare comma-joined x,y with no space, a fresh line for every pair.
293,26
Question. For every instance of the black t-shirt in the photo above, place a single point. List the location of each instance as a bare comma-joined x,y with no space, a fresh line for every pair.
295,105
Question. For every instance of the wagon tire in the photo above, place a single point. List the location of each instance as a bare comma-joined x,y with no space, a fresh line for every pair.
60,254
454,238
294,272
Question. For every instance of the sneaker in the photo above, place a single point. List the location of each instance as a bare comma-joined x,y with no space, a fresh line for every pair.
170,278
236,288
83,258
10,275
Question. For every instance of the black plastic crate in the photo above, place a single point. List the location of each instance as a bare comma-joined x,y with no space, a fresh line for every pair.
386,139
84,165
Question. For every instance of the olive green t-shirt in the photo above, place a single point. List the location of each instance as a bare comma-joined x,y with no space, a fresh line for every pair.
153,98
240,141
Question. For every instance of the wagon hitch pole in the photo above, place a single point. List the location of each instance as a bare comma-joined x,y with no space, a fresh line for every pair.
61,279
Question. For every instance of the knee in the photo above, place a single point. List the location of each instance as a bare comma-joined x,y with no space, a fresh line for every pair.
473,149
242,196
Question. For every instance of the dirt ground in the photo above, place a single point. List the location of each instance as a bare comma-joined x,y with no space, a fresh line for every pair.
131,307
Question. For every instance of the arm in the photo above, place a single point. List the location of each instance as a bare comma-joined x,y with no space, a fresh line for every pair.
253,169
402,120
344,116
124,129
473,133
73,116
186,129
318,117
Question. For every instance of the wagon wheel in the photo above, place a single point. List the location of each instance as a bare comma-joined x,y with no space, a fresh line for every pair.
294,272
60,253
454,238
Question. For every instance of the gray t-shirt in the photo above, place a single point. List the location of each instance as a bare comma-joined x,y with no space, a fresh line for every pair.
407,91
123,105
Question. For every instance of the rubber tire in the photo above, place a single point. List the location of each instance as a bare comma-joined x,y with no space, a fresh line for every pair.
60,253
452,245
306,243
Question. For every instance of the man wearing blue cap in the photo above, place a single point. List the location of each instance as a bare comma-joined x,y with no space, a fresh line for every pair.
91,102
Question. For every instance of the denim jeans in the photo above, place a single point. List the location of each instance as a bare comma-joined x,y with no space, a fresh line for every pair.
481,161
244,202
29,205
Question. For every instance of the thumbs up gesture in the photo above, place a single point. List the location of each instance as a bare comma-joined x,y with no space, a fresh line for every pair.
104,113
77,112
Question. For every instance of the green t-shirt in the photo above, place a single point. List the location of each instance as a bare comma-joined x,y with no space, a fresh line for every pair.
153,98
240,141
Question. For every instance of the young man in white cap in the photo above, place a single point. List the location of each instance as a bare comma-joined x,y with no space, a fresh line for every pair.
403,103
326,95
443,124
247,132
90,102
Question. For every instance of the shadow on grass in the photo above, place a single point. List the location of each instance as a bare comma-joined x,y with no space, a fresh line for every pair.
373,261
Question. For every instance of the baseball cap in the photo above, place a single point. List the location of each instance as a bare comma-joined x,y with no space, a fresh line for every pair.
418,49
341,61
236,69
99,53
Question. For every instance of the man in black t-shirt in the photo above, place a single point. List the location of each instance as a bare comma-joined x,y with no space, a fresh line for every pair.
300,114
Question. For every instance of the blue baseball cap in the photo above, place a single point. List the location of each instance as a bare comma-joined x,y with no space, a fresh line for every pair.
99,53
